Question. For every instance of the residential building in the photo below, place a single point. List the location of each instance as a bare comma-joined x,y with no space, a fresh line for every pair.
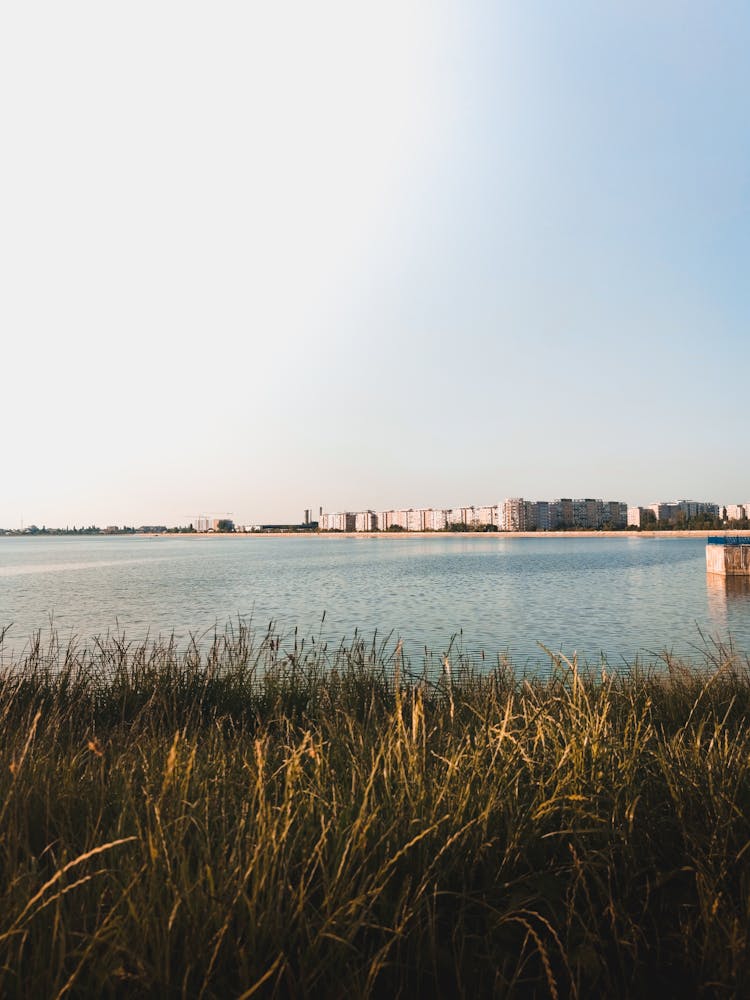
735,512
456,516
542,515
335,522
635,516
435,520
486,516
676,511
365,520
612,514
663,511
564,512
399,519
382,520
514,514
414,520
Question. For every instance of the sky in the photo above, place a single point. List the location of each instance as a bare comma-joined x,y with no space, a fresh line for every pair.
261,257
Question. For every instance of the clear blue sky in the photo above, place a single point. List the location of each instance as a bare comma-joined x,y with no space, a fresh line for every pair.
260,257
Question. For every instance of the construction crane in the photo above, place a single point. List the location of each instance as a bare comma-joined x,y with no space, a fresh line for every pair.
210,513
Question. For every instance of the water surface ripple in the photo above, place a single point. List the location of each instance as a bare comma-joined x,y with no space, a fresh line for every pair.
617,597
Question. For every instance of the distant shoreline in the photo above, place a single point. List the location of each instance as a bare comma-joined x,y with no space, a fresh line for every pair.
407,535
479,535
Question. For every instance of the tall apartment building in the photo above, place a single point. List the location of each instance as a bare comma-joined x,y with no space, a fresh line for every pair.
414,520
635,517
564,512
382,519
545,515
343,521
434,520
470,517
736,511
694,508
486,516
399,519
393,519
529,515
365,520
613,513
663,511
514,514
586,513
674,511
456,515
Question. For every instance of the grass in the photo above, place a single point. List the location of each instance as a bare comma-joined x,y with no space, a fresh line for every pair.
255,818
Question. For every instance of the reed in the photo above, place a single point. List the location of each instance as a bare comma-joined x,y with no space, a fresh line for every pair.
260,816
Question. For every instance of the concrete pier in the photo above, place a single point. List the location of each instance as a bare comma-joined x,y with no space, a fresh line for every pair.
728,556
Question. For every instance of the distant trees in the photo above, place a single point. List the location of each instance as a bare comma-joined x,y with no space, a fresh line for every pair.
474,526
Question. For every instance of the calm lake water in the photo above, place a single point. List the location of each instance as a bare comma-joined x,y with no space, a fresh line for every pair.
618,597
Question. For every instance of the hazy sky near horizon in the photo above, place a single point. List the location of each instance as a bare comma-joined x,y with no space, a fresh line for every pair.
259,257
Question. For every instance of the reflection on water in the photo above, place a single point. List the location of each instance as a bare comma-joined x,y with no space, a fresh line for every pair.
737,587
728,588
728,597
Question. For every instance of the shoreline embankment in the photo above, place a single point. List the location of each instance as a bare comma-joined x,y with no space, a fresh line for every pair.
464,535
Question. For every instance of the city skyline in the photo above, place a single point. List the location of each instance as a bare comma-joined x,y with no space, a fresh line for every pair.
521,514
511,514
370,256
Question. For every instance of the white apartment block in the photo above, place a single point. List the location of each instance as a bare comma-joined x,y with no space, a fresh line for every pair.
456,515
470,517
382,520
486,516
365,520
514,514
333,522
414,520
663,511
434,519
386,519
399,519
736,511
635,517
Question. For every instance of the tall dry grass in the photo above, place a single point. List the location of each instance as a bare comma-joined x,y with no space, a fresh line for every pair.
260,818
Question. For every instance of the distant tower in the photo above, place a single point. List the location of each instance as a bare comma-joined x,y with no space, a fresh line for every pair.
307,515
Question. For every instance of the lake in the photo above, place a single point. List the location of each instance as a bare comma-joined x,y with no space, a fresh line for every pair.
617,597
